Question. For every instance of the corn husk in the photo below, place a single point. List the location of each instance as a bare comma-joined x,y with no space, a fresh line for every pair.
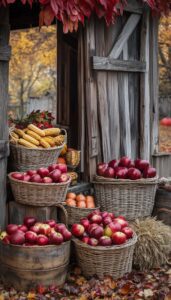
154,243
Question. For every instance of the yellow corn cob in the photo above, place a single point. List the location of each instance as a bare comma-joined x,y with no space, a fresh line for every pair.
14,135
52,131
26,143
25,129
59,140
50,141
13,140
30,139
34,135
19,132
36,130
44,143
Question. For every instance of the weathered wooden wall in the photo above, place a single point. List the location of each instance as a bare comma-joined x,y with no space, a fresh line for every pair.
4,58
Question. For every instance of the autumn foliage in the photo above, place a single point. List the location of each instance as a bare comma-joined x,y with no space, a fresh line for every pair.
71,12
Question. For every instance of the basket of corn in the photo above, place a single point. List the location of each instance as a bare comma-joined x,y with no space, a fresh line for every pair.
33,148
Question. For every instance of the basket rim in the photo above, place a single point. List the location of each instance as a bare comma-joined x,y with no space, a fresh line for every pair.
129,242
75,207
36,183
37,149
34,246
104,180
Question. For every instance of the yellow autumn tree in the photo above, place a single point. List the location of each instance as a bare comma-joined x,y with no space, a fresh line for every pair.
33,64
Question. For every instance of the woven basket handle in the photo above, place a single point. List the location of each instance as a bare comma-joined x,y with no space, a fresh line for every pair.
59,205
164,180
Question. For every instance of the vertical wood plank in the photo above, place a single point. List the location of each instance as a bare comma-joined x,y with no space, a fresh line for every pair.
4,71
145,90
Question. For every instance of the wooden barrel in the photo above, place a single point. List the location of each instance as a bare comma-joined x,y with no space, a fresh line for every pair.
162,207
27,267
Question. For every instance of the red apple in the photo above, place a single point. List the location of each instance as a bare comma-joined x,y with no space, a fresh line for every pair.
122,222
128,231
115,226
91,227
105,241
43,172
35,228
17,238
29,221
96,219
134,174
52,167
31,237
109,173
104,214
107,220
45,229
119,238
113,163
17,175
92,242
143,164
64,178
51,223
125,162
11,228
36,178
62,168
77,230
137,162
97,232
66,235
94,212
56,238
42,240
85,222
149,172
55,175
60,227
85,239
111,215
31,172
6,239
121,173
26,178
47,180
101,167
23,228
121,217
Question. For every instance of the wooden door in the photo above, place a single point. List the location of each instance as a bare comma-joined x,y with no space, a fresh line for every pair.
4,146
118,95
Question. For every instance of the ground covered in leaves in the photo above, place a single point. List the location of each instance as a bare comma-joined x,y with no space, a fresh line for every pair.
153,285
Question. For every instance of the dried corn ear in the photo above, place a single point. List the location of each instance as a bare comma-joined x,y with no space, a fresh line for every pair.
50,141
33,134
14,135
44,143
30,139
36,130
26,143
59,140
52,131
20,132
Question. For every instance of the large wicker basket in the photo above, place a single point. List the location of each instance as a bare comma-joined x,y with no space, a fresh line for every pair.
112,260
24,159
76,213
131,198
38,194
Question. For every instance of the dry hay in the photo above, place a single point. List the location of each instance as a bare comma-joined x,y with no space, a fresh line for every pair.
154,243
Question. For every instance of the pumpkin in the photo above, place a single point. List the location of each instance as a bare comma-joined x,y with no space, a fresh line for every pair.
70,202
90,205
80,197
81,204
61,160
71,195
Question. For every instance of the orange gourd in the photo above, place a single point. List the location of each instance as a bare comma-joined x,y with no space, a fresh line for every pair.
61,160
81,204
80,197
70,202
90,205
71,195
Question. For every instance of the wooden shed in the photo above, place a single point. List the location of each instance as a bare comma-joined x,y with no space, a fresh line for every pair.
107,89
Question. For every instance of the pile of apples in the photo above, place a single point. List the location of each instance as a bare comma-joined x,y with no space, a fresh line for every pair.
102,229
125,168
32,233
56,173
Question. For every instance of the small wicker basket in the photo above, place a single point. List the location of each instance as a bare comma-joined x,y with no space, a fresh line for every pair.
38,194
131,198
76,213
114,261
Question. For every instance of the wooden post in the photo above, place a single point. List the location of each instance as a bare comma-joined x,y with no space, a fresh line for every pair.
4,70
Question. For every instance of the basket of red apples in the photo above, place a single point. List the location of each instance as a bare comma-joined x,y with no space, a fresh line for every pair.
34,253
104,244
42,187
126,186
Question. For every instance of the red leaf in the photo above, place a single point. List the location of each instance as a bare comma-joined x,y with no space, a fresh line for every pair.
48,15
54,6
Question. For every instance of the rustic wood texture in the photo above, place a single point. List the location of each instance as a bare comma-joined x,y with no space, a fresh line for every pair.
17,212
162,162
4,56
162,208
107,63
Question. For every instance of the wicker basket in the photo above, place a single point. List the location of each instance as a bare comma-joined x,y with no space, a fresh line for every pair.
112,260
76,213
131,198
38,194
